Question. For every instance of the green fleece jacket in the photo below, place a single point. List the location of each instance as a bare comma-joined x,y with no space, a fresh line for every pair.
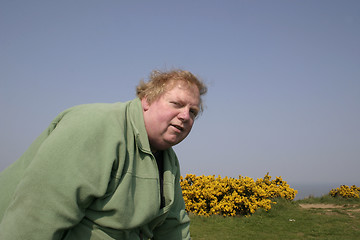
91,175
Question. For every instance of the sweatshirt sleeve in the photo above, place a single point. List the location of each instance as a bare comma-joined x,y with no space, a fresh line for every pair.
177,224
70,168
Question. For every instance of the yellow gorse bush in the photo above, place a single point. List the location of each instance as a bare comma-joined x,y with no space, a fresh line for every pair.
346,191
207,195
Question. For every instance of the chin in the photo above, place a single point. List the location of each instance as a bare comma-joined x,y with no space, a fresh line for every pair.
169,144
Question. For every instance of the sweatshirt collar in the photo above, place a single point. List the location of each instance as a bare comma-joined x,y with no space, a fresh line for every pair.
135,112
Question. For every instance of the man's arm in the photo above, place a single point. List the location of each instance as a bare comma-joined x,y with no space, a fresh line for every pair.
67,172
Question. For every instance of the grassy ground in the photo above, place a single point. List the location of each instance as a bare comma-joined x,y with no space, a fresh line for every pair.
313,218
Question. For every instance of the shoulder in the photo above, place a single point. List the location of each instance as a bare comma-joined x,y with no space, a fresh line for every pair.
91,118
93,110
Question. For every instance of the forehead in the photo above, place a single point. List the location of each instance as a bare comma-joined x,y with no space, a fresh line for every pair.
183,91
183,85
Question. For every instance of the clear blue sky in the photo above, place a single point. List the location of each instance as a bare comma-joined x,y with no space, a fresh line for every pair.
283,76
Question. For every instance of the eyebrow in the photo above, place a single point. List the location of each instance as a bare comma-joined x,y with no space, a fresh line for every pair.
197,108
177,99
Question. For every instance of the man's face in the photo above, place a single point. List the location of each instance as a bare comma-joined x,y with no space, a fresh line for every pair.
169,119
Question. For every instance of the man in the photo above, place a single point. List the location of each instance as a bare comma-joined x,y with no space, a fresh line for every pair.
106,171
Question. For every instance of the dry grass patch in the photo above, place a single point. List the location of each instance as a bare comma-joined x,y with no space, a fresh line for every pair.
319,205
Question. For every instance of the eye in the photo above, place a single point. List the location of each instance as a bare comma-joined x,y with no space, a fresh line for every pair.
194,112
176,104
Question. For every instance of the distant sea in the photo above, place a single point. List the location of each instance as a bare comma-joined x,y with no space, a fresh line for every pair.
316,190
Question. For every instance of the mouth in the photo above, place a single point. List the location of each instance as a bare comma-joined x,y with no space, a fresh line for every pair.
177,127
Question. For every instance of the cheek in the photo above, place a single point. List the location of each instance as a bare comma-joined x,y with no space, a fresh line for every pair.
168,114
189,127
163,119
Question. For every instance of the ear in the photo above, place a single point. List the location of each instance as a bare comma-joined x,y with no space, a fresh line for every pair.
145,104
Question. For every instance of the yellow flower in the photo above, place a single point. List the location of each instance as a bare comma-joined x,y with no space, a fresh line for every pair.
207,195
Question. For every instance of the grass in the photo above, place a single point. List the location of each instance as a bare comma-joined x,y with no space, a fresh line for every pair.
286,220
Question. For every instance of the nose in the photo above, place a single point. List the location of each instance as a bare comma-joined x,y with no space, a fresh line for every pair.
184,115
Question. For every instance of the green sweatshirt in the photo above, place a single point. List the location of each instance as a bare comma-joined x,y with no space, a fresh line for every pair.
91,175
